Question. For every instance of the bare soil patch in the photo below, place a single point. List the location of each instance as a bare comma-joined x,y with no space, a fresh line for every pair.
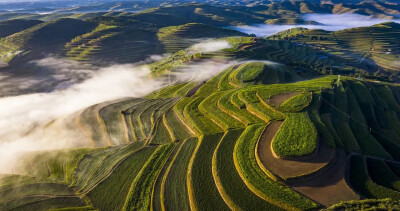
278,99
290,169
329,187
194,89
321,178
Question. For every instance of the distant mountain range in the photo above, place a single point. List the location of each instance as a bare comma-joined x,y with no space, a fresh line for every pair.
42,6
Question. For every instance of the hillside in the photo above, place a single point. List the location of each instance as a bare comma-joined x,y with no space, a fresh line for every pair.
254,136
373,48
13,26
206,117
44,38
139,33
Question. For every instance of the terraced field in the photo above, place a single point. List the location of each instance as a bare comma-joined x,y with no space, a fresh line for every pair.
263,133
238,142
364,47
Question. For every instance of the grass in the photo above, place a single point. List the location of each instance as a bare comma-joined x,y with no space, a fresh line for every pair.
179,130
95,167
35,189
115,186
325,111
114,121
157,195
57,165
175,191
224,83
259,108
161,134
140,192
149,116
248,72
296,137
136,120
314,114
202,190
202,124
340,121
209,107
296,103
381,174
241,114
89,121
393,121
257,181
386,94
360,180
85,208
370,204
167,92
83,46
13,26
52,203
179,110
236,101
374,42
228,181
9,181
366,103
368,144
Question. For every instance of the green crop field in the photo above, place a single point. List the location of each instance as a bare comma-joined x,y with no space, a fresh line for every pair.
304,119
201,151
297,136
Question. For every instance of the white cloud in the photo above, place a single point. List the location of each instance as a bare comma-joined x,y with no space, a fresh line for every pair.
207,46
22,117
329,22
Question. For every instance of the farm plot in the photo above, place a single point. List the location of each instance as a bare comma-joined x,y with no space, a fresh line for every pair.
255,178
203,193
296,137
360,180
229,183
115,185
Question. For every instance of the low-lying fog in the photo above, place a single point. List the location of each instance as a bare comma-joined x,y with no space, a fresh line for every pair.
76,86
329,22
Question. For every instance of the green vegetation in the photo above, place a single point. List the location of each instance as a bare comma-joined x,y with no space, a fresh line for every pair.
314,114
296,137
115,185
140,192
205,144
203,193
230,182
296,103
367,204
257,181
381,174
210,108
340,121
354,47
176,38
13,26
367,143
361,182
83,46
174,195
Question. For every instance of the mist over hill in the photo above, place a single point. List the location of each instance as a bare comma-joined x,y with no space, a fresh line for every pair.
200,105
